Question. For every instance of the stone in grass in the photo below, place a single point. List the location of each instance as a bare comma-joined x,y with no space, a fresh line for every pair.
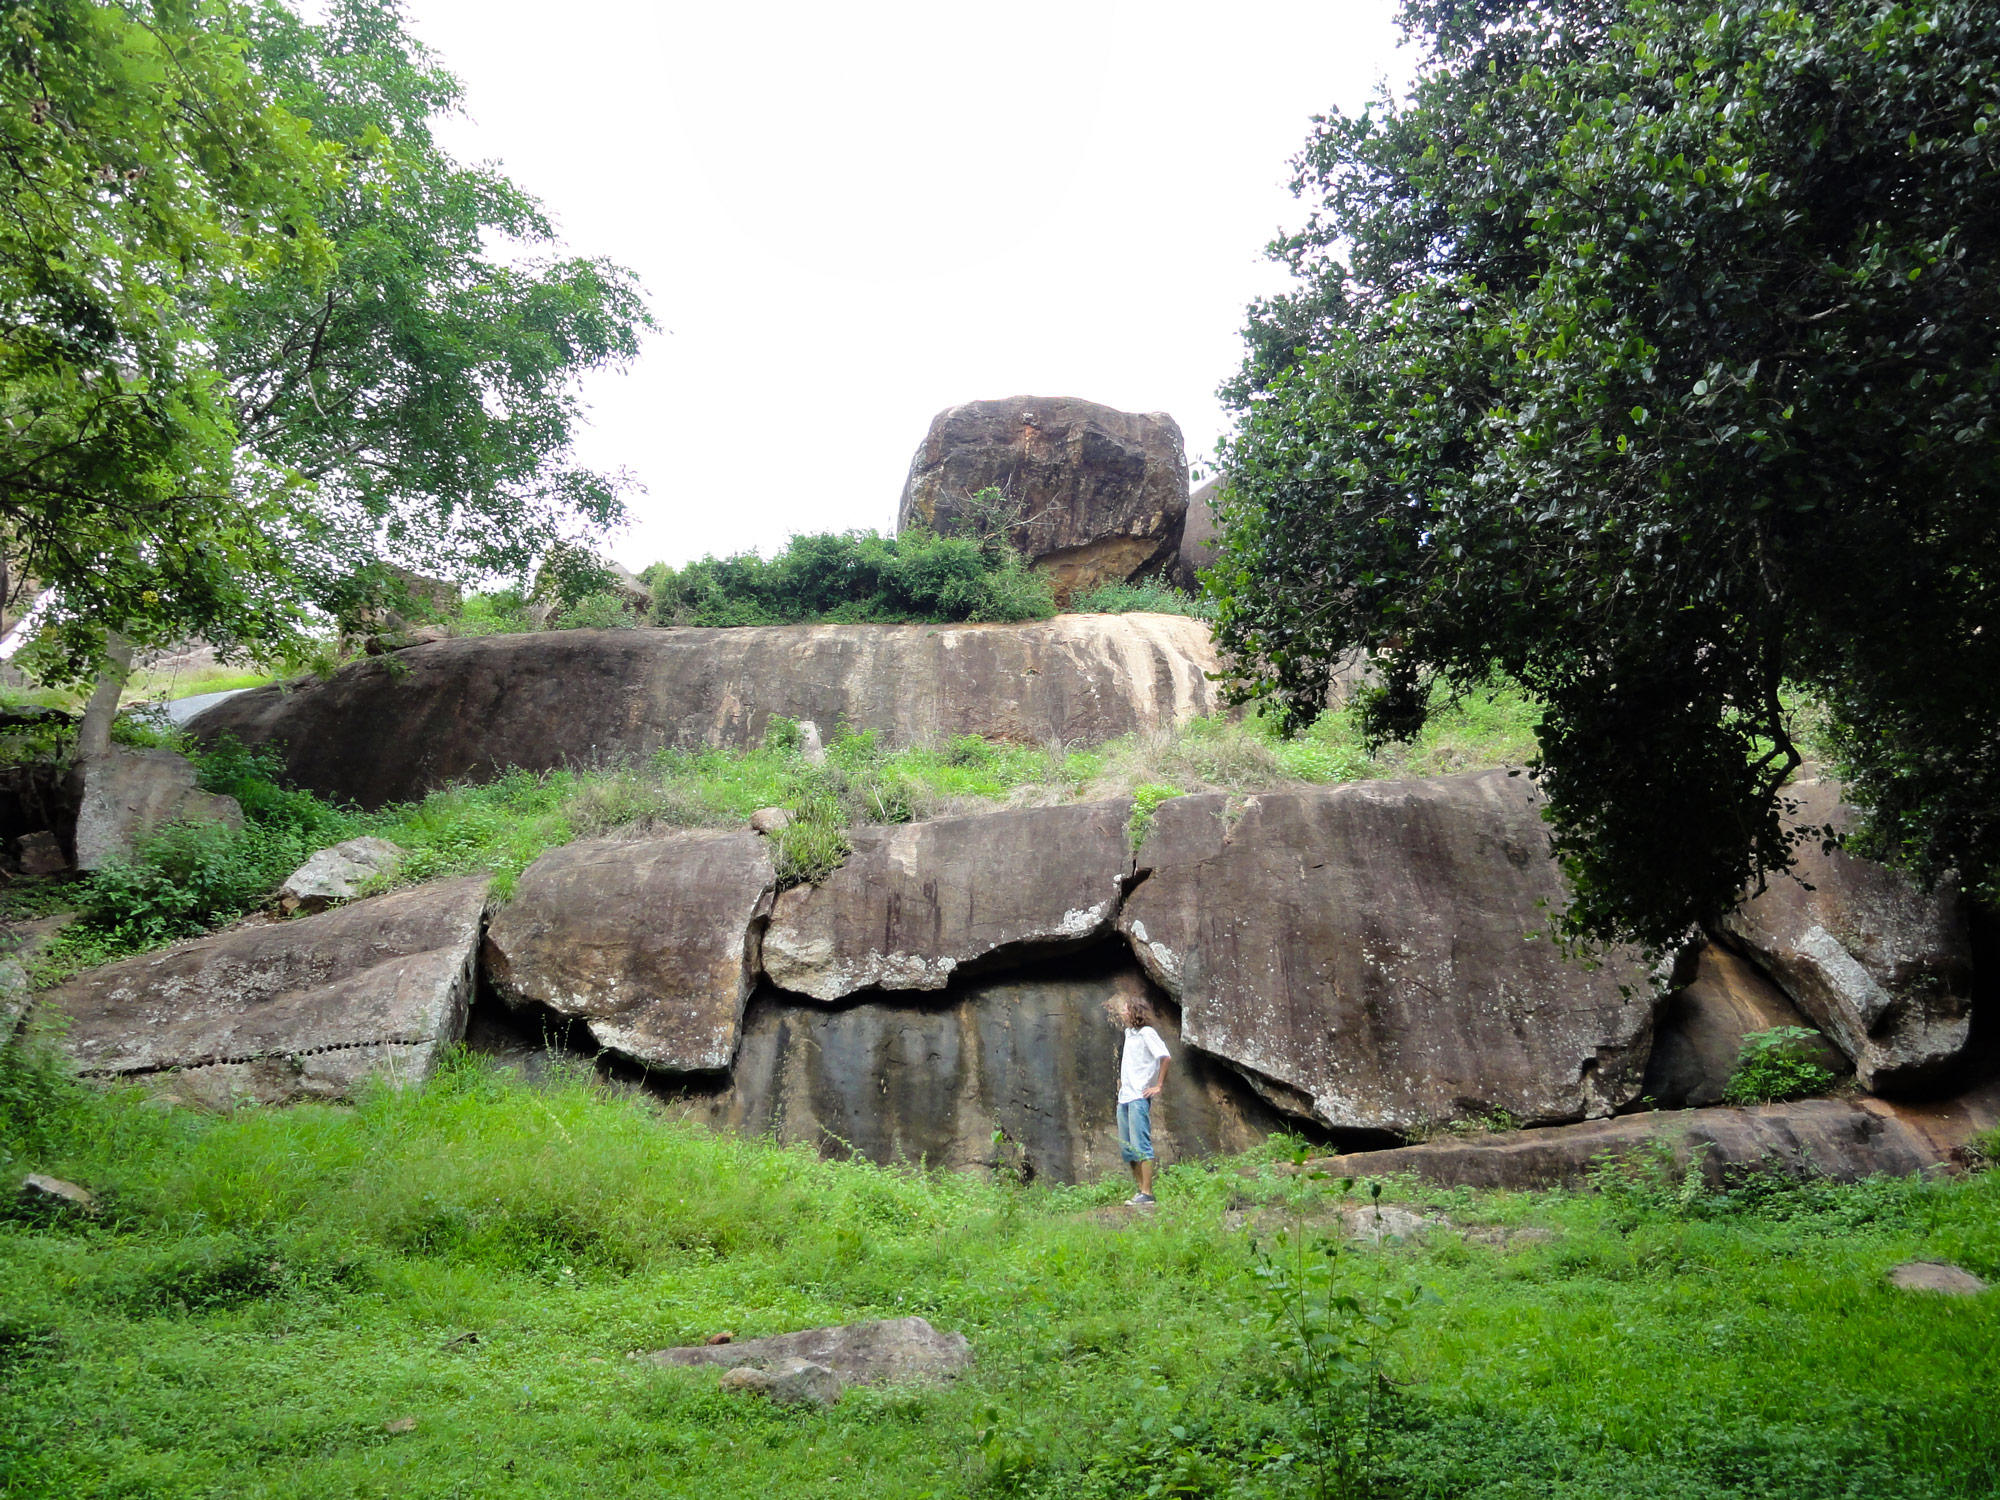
787,1382
1935,1276
889,1351
400,1424
770,820
337,874
52,1193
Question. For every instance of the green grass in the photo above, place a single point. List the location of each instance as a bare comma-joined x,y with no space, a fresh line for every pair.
185,881
265,1290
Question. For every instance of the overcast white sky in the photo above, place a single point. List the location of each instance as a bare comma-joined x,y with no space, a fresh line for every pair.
849,217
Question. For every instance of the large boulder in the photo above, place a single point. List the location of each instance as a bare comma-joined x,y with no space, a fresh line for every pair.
283,1011
1198,547
1030,1056
1840,1139
1370,952
1100,493
1699,1039
391,729
651,944
128,794
918,902
1883,967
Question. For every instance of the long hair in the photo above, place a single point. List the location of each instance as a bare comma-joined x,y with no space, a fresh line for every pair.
1130,1011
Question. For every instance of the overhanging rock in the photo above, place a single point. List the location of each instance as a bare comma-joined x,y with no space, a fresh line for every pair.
284,1011
917,902
1370,952
651,943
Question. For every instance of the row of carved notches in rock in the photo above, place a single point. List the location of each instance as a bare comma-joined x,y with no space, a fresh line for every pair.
1355,958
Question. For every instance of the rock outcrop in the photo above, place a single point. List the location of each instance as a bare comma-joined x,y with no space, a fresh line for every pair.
1699,1039
1032,1056
1369,952
128,794
892,1351
651,944
284,1011
391,729
1882,967
916,903
1100,493
1198,536
1840,1139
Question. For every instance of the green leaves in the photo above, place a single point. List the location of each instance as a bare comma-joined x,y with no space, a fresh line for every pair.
1462,459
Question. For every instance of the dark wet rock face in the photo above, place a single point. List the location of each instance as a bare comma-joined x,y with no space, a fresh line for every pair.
285,1011
1369,951
1882,967
390,729
650,943
1101,492
1033,1056
917,902
1699,1040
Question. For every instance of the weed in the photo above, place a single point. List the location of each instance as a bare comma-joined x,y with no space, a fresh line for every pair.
1777,1065
1146,801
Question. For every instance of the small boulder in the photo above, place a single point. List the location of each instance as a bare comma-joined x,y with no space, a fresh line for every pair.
1935,1276
39,855
127,794
770,820
886,1352
787,1382
810,745
338,873
53,1193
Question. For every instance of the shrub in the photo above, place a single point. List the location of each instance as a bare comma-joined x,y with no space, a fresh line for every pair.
855,576
1777,1065
602,610
1151,595
1146,799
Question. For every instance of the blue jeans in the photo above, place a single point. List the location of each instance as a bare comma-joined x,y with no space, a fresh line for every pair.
1135,1130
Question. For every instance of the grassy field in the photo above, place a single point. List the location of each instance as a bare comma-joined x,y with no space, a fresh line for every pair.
187,880
265,1292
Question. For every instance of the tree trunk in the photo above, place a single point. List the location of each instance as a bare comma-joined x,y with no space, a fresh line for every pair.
93,736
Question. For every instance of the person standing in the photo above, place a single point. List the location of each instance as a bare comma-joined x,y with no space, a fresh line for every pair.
1142,1073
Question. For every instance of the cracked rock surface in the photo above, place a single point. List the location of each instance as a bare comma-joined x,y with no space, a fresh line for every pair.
284,1011
651,943
1368,951
916,902
1881,966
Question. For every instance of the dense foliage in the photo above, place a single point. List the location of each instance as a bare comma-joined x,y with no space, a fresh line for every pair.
1650,354
855,576
260,335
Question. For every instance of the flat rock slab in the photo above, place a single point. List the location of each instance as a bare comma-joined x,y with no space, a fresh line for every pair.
1935,1276
1369,951
651,943
893,1351
1843,1140
918,902
1881,966
384,730
284,1011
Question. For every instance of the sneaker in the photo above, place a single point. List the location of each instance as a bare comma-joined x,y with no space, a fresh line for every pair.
1140,1200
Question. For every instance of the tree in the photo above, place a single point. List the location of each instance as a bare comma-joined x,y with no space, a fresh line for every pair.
1650,354
141,163
323,368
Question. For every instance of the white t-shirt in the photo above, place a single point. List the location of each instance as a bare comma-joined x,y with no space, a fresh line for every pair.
1141,1063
